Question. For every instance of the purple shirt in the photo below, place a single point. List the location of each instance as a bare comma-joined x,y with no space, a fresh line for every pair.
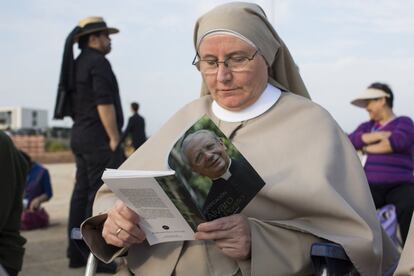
392,167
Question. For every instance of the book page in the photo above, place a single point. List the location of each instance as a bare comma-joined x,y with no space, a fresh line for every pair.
160,219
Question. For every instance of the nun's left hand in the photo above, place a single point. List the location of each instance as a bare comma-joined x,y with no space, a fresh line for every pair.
231,234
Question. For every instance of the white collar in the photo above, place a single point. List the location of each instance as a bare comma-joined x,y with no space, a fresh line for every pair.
227,174
268,98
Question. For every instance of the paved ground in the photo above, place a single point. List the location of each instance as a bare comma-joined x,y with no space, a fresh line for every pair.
46,248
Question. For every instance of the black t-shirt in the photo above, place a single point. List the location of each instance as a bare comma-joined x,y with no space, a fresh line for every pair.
136,127
13,172
95,85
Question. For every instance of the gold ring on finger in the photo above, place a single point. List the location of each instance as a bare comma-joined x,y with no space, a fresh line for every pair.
118,231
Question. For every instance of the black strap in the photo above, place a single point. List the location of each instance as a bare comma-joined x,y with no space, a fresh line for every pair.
63,106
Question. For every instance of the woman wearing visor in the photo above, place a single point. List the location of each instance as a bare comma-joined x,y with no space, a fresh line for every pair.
387,141
315,187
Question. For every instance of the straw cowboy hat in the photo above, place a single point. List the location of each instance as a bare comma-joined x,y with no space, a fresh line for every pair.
369,94
93,24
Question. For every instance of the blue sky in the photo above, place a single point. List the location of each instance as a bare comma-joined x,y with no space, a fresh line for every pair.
340,46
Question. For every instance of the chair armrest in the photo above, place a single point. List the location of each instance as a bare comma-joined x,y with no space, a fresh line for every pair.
330,259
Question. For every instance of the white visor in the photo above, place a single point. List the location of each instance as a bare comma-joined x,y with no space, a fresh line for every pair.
369,94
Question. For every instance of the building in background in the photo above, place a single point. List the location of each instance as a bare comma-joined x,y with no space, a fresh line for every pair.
17,117
30,131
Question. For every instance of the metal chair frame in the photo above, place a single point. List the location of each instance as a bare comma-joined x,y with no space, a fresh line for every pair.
92,262
328,259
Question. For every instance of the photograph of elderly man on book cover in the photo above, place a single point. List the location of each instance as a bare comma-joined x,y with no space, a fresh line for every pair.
220,181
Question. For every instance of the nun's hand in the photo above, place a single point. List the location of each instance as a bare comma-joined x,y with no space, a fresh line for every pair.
231,234
121,226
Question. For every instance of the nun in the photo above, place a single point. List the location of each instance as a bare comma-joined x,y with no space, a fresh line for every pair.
315,188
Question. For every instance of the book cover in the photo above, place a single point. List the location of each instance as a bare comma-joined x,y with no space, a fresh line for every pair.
209,179
220,181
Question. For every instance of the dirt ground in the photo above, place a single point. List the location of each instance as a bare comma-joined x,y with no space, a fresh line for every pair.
46,248
55,157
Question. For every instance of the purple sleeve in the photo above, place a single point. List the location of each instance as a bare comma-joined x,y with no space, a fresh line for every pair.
356,137
402,137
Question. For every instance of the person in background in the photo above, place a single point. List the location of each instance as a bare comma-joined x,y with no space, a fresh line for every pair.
88,92
8,131
387,141
38,187
315,187
135,127
13,171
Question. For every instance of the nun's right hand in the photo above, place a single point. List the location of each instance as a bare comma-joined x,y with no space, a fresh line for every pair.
121,226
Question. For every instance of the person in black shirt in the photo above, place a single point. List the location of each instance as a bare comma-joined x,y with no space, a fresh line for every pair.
135,127
13,171
88,92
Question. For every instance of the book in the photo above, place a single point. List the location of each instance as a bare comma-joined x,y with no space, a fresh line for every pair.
208,179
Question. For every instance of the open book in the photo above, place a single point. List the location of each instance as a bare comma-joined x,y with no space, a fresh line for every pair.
209,179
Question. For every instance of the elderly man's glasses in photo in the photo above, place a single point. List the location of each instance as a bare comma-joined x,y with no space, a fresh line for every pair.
235,63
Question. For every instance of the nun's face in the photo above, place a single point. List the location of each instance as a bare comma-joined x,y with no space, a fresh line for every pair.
233,90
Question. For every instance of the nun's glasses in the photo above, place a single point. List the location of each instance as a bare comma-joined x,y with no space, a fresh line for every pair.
235,63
